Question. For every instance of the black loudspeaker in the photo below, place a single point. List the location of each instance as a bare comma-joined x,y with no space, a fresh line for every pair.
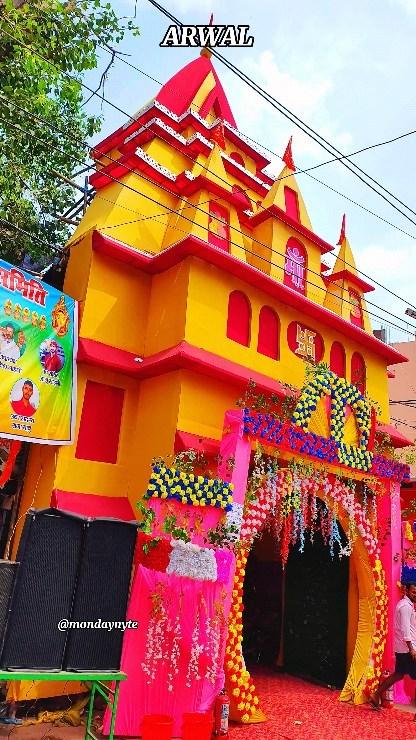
49,556
101,594
8,570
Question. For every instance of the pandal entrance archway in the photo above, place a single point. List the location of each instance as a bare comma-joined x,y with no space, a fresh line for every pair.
290,494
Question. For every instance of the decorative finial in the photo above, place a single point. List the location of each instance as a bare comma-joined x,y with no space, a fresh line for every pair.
205,52
288,156
342,234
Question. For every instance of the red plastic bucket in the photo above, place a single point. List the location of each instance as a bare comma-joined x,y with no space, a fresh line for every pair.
197,726
157,727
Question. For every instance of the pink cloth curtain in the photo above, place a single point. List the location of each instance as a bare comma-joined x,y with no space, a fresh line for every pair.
195,609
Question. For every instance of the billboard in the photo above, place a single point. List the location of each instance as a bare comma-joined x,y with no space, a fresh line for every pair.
38,339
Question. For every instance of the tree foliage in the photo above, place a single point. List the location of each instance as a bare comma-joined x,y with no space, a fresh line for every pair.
46,46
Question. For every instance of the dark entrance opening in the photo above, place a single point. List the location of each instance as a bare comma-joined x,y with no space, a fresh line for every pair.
262,598
316,614
300,615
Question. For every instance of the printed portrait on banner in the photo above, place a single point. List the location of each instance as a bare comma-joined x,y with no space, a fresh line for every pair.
38,336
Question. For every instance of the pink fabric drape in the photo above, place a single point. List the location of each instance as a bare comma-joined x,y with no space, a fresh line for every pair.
185,598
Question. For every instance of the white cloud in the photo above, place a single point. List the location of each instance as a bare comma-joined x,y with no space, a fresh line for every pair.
306,98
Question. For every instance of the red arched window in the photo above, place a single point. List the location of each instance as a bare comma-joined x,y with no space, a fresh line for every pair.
236,156
219,226
243,199
296,264
268,339
292,203
337,362
358,372
356,311
239,318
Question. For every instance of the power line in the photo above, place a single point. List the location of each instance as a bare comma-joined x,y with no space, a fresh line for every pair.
308,130
87,144
191,205
298,171
132,118
399,421
32,236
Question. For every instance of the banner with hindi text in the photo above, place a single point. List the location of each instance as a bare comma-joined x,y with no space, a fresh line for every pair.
38,340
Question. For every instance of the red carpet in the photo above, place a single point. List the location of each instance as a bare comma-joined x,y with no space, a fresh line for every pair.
297,710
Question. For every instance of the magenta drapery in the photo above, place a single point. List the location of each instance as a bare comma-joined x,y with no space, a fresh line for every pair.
139,695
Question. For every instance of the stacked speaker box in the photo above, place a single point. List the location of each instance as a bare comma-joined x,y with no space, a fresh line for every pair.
8,570
49,555
71,568
102,593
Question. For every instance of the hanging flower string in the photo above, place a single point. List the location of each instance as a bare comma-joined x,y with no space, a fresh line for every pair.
166,643
301,504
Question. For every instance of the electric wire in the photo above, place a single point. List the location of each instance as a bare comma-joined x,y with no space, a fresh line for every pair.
205,228
399,421
308,130
132,118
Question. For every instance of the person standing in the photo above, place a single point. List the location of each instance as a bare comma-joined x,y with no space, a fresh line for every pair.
404,644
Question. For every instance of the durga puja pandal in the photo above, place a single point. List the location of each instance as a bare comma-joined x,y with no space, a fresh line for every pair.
229,396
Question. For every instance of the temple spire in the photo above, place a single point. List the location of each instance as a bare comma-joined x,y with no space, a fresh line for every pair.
342,233
288,156
206,52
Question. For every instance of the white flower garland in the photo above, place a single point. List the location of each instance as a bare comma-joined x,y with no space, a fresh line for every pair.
192,561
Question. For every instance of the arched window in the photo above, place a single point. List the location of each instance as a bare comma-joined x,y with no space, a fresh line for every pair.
243,199
219,226
239,318
296,264
236,156
268,339
292,203
337,362
356,311
358,372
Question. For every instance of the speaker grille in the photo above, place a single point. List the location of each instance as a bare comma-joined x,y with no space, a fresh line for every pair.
102,593
49,555
7,575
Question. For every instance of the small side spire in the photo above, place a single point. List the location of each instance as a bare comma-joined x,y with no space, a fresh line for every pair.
288,156
342,233
206,52
218,135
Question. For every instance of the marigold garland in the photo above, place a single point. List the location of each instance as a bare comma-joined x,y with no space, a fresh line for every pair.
244,699
188,488
342,394
291,437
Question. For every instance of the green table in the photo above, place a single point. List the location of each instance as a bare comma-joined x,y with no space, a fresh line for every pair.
97,680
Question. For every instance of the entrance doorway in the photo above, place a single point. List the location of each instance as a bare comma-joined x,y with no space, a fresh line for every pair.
297,620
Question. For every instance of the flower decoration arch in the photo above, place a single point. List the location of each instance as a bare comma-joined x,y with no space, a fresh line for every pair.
342,395
366,666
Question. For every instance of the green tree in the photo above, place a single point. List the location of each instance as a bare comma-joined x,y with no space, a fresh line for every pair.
46,46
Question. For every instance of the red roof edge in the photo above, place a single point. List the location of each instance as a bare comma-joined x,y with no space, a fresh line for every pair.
188,441
182,356
352,278
279,213
195,247
397,438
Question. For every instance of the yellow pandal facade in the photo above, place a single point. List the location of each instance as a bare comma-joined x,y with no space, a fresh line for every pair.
184,226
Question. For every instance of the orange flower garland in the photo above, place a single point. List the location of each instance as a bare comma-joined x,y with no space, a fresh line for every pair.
243,696
241,690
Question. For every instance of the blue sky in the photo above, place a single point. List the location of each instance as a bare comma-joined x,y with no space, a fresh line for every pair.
346,69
